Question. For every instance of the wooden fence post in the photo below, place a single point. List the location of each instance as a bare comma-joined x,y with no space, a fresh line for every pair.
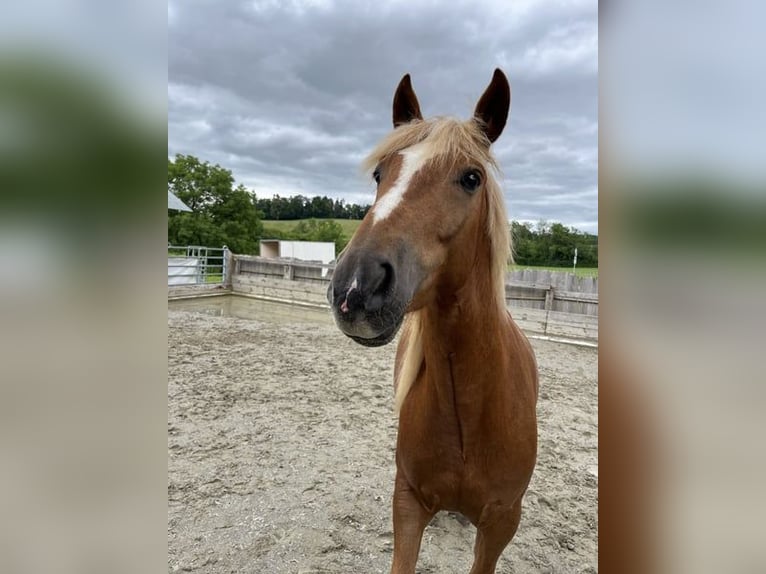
550,294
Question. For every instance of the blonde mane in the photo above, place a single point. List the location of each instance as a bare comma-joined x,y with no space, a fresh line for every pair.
449,140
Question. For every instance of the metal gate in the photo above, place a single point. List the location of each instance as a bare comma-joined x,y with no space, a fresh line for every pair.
197,265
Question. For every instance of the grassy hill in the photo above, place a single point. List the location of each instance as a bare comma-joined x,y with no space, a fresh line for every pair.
349,225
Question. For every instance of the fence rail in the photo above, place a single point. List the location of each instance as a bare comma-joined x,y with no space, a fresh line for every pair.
548,291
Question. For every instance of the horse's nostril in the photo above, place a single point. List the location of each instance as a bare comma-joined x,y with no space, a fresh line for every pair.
388,279
364,287
384,284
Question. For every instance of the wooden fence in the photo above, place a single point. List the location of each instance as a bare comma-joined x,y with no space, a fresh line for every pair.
551,303
552,291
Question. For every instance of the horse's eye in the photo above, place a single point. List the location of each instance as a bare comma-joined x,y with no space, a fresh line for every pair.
376,175
470,180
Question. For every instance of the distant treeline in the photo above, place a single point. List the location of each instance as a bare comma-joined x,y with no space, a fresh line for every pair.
300,207
553,244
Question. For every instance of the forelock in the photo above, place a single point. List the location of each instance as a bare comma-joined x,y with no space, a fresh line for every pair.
447,139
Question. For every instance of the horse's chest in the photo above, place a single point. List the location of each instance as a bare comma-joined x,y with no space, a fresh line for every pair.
439,462
455,460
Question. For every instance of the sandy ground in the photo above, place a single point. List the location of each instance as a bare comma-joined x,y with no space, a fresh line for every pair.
281,440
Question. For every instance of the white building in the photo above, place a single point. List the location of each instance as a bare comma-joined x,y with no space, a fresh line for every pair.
312,251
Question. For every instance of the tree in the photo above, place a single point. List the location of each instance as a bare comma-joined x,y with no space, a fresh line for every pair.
562,246
524,243
222,214
235,214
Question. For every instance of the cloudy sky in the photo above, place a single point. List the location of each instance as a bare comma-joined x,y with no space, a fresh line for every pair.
291,95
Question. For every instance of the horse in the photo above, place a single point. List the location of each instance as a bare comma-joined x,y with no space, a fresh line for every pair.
431,254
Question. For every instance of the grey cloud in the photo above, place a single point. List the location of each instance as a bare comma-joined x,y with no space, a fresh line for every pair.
291,96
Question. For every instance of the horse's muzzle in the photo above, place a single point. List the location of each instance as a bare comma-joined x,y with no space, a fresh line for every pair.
365,299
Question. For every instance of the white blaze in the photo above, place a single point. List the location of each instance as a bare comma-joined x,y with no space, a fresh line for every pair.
412,160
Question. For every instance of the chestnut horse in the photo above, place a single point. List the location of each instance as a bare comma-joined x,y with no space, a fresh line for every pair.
432,252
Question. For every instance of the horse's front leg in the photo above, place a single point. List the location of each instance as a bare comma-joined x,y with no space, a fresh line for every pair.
410,519
496,528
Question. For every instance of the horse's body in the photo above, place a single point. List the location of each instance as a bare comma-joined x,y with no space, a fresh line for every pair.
467,432
435,246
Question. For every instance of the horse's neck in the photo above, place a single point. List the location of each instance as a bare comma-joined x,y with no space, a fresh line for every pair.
465,358
466,323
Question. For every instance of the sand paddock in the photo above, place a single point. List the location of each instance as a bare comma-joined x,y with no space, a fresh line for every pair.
281,440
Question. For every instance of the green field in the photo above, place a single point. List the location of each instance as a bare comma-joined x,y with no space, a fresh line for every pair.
349,225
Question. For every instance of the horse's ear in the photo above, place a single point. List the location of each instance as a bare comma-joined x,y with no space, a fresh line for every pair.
406,107
492,109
